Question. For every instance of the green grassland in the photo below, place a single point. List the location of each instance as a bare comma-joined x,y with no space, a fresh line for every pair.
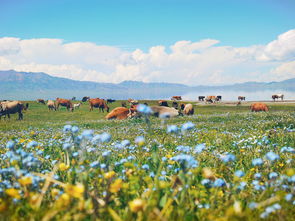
137,170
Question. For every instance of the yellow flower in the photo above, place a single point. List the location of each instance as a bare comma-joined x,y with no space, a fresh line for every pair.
281,164
116,186
75,190
13,193
109,175
242,150
22,140
63,167
25,180
290,172
54,192
136,205
64,200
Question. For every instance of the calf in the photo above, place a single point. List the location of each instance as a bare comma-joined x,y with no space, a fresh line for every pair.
257,107
77,106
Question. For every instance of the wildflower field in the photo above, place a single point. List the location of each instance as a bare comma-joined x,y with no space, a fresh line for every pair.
223,163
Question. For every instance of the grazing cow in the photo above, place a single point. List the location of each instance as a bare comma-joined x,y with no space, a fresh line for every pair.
176,98
163,103
175,105
121,113
210,99
84,99
40,101
164,112
218,98
256,107
277,96
132,101
77,106
98,103
241,98
12,107
110,101
182,105
65,103
73,98
51,105
123,104
188,109
201,98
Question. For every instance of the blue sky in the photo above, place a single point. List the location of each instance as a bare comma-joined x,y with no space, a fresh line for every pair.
179,41
142,24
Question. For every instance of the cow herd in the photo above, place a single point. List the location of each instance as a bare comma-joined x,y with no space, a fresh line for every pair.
123,112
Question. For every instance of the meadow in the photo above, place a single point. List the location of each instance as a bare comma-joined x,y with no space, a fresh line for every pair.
222,163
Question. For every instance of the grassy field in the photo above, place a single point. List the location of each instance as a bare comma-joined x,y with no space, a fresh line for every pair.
223,163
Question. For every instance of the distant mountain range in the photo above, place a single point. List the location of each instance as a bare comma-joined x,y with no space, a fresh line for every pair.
30,86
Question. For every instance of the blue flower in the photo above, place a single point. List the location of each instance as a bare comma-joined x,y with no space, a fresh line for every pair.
105,137
87,134
144,109
257,162
287,149
257,175
252,205
94,164
172,129
273,175
219,183
228,158
239,173
103,166
187,126
199,148
75,129
186,161
152,174
66,146
67,128
164,159
272,156
106,153
289,197
10,144
242,185
32,144
125,143
145,167
206,182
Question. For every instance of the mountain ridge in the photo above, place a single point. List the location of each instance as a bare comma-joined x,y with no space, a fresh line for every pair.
31,85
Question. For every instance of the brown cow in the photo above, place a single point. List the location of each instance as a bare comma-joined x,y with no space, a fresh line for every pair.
51,105
121,113
12,107
65,103
98,103
259,107
163,103
188,109
176,98
40,101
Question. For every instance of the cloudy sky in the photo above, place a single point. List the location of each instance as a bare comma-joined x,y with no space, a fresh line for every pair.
191,42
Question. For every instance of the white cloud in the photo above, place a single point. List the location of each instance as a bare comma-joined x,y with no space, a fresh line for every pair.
194,63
